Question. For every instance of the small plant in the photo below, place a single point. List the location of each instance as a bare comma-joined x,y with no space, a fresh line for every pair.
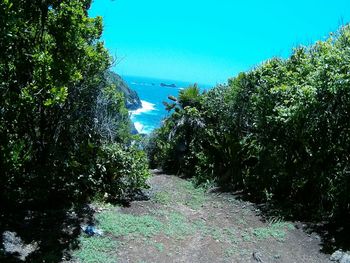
195,196
163,198
96,250
230,252
158,246
275,229
129,225
177,226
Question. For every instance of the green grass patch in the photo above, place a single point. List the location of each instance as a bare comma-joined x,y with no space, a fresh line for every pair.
246,236
163,198
227,235
96,250
231,235
119,224
172,224
230,252
276,230
159,246
177,226
184,193
194,196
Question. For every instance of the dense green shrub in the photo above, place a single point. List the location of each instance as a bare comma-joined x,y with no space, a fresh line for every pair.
123,170
280,131
56,113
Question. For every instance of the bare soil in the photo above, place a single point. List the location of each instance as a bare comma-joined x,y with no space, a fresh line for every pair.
213,227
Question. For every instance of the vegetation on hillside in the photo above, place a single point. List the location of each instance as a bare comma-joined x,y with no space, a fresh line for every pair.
280,132
131,98
64,129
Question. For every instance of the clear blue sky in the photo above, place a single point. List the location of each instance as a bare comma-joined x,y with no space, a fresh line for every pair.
208,41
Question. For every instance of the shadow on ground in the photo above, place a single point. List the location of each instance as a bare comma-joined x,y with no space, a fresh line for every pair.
333,235
40,236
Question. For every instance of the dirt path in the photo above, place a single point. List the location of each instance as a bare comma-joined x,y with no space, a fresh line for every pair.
183,224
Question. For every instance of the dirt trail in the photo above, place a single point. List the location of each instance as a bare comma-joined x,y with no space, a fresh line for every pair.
183,224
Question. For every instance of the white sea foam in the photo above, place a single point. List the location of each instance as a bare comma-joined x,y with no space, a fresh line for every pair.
146,107
139,127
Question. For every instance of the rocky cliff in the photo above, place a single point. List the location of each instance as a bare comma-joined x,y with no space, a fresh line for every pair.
132,100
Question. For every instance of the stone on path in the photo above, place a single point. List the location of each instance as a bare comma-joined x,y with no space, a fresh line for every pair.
340,256
14,245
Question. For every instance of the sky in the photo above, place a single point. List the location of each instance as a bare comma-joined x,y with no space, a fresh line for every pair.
209,41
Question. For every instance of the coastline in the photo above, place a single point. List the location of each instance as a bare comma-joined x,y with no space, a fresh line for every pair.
142,127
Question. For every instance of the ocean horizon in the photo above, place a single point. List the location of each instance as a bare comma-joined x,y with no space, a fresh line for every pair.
152,96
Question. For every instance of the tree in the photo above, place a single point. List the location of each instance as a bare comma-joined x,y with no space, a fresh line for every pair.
52,67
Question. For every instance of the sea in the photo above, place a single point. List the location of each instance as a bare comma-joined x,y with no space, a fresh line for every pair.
152,95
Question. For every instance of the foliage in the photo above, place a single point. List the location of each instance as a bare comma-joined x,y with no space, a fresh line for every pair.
112,121
96,250
119,224
57,114
280,131
122,170
276,230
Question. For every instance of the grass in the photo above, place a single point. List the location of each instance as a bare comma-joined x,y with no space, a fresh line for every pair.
158,245
177,226
194,197
224,235
96,250
163,198
230,252
275,230
246,236
185,193
119,224
171,225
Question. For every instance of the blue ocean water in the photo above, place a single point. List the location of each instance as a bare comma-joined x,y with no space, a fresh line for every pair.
152,95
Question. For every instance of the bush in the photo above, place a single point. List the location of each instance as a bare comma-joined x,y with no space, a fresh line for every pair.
123,171
57,115
280,131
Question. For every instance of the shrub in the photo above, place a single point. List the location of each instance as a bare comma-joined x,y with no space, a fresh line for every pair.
280,131
57,115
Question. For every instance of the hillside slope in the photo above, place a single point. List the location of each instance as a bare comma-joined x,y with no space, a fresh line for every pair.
132,100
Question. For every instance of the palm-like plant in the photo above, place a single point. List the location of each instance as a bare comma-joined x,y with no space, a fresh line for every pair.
190,96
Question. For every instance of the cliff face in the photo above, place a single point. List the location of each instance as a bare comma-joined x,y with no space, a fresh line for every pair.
132,100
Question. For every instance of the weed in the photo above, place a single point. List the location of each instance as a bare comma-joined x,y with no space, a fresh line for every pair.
216,233
274,229
124,224
199,224
163,198
159,246
174,224
230,252
96,250
231,235
195,197
242,222
246,236
186,193
177,226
